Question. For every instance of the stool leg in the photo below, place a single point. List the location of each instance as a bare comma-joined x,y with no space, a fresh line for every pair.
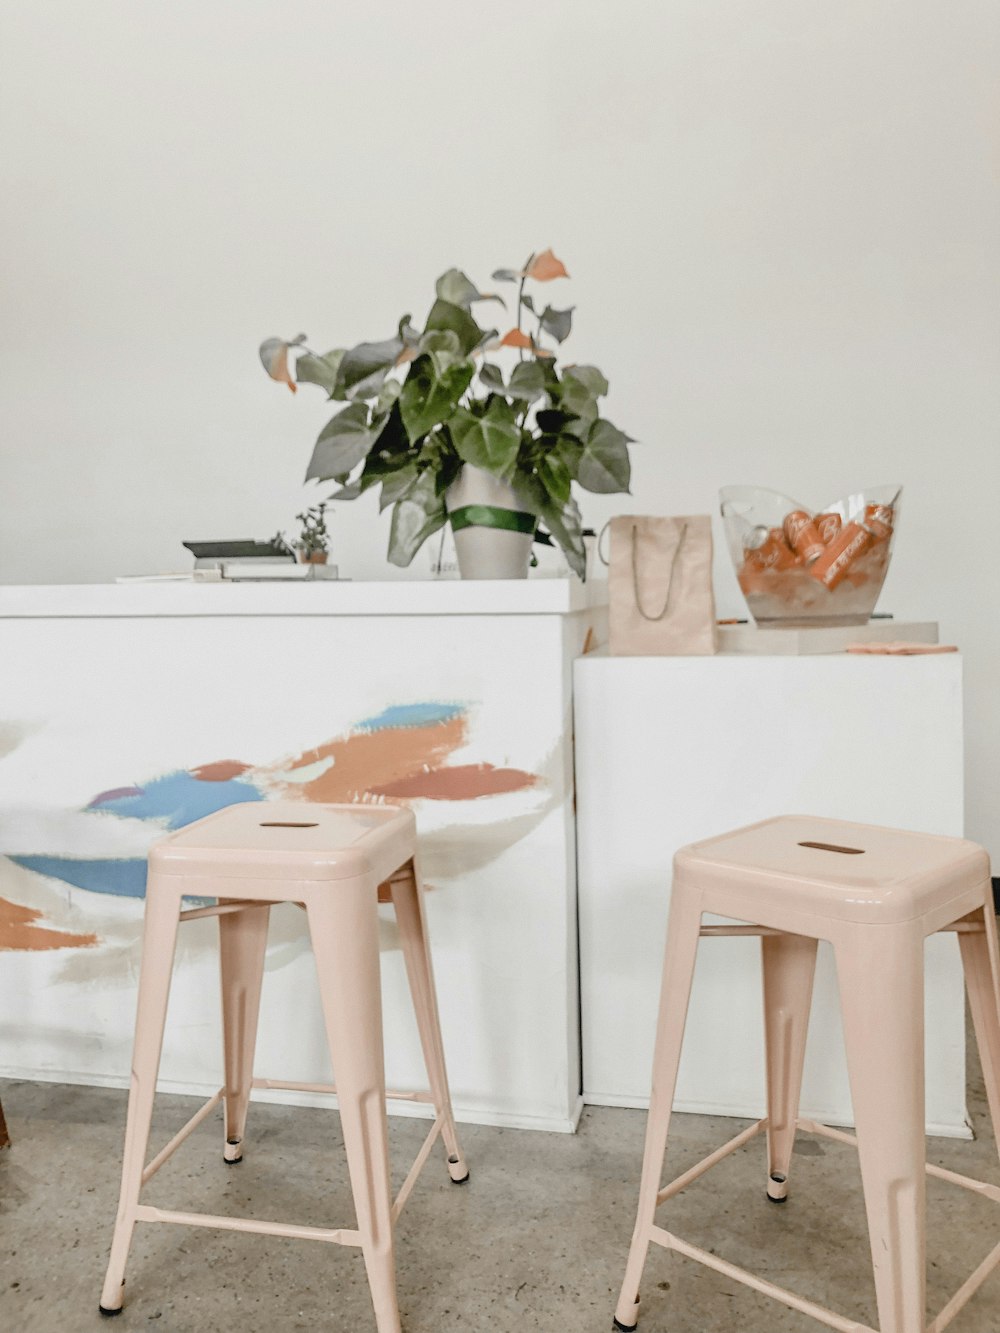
159,938
981,961
881,975
407,898
789,967
343,923
242,942
678,972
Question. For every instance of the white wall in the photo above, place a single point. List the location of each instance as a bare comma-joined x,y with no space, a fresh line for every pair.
782,219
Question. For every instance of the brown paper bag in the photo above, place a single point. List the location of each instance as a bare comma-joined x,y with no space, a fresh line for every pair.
660,594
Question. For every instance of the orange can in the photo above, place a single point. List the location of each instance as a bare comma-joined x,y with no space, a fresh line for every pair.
803,536
878,520
766,548
837,558
828,525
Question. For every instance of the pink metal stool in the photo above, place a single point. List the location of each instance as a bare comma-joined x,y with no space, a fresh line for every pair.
337,862
876,894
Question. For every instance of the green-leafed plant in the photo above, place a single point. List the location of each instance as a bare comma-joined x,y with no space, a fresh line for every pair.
422,404
313,535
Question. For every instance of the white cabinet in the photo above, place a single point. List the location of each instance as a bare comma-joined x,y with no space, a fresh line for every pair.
129,710
671,750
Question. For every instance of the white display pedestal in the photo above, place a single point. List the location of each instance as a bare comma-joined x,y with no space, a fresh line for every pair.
131,709
672,750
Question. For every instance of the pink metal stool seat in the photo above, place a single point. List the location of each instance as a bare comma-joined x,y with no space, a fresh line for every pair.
336,862
875,894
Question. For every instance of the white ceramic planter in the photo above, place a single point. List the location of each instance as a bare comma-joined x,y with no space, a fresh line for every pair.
488,552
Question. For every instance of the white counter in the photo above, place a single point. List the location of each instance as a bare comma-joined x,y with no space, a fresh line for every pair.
494,597
673,750
132,708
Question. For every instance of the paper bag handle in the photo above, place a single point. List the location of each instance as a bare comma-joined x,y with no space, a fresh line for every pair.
635,573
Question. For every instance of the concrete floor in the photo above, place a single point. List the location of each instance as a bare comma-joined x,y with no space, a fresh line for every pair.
537,1240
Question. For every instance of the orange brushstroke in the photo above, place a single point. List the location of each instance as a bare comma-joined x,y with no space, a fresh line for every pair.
221,771
465,782
367,762
18,931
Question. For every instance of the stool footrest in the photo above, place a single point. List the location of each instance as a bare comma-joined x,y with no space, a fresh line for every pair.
224,909
818,1312
144,1213
981,1187
167,1152
961,927
329,1090
706,1164
966,1292
416,1168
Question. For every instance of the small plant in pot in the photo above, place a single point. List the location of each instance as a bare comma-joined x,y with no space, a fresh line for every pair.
313,545
432,418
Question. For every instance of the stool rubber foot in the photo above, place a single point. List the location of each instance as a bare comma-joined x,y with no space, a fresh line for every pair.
777,1187
110,1314
623,1328
455,1165
232,1152
772,1199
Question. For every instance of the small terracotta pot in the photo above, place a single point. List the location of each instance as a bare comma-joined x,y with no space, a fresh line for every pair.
312,557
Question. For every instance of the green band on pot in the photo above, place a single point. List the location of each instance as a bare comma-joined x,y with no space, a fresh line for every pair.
489,516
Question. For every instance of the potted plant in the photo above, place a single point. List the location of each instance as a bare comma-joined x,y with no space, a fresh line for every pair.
432,418
313,544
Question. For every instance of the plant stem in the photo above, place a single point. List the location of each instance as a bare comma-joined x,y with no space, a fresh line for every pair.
520,297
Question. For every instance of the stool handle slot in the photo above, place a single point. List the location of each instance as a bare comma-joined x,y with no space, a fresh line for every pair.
833,847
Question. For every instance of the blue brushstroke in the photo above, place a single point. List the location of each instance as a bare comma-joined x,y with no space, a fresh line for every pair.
126,878
178,799
412,715
173,801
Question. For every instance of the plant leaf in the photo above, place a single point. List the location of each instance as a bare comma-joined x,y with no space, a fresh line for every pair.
553,421
387,395
506,275
491,441
589,376
397,485
557,322
455,287
485,341
321,370
428,398
565,524
516,338
443,346
555,478
447,315
491,376
570,450
604,466
363,369
343,442
414,519
545,266
577,400
527,381
349,492
274,359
